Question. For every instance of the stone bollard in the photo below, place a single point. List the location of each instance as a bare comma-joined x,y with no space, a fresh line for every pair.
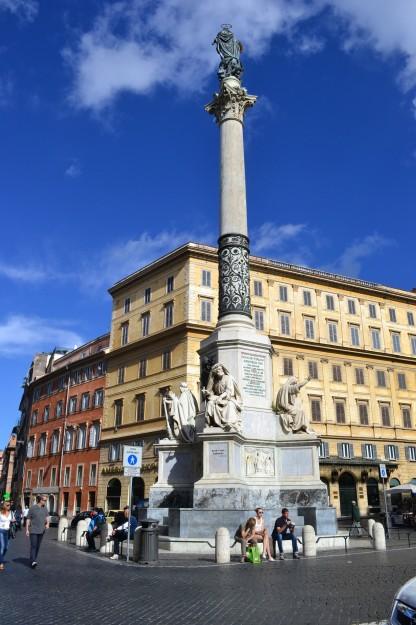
309,541
370,527
63,525
106,547
379,537
222,545
136,543
80,540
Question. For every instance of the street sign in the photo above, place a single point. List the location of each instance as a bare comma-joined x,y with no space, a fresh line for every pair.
132,457
132,472
383,471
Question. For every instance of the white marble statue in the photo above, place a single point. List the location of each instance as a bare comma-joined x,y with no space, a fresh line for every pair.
289,407
223,400
180,413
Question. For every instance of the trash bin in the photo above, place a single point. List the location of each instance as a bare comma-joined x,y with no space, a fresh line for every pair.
149,541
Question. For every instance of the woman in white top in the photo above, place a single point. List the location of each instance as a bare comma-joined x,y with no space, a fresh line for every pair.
262,534
6,517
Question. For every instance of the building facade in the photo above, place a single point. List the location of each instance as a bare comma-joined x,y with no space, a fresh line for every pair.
355,340
8,471
66,403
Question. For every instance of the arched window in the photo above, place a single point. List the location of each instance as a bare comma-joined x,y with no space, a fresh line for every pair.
42,445
94,434
81,437
113,494
68,440
394,482
55,443
373,495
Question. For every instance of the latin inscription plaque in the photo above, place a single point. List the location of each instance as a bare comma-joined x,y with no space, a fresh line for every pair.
254,380
218,457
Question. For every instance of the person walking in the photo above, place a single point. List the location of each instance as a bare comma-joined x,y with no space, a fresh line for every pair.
6,517
37,522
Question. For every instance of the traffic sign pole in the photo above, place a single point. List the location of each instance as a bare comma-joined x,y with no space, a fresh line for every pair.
129,521
132,464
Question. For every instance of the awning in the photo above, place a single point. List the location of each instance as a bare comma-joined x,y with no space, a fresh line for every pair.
402,488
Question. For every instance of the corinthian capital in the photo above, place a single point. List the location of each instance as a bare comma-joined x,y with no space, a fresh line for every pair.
231,102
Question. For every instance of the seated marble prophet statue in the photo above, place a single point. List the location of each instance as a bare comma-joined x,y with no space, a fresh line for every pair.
289,407
223,400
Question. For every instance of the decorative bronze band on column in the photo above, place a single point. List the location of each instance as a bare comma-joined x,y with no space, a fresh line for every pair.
234,278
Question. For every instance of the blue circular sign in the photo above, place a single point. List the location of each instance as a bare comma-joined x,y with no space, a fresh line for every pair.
132,460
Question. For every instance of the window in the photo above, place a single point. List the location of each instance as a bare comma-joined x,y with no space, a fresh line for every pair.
372,311
55,443
120,375
168,314
313,369
143,368
127,304
124,333
94,435
381,378
101,368
34,418
31,447
336,373
61,383
114,452
140,406
166,360
369,451
147,295
205,310
68,440
259,319
49,389
285,324
363,412
359,376
283,293
40,478
258,288
81,437
80,471
53,476
323,450
345,450
28,479
411,453
145,323
42,445
98,397
59,408
395,339
67,476
355,336
85,401
72,405
401,379
340,411
46,414
351,307
385,414
170,284
287,366
413,344
316,410
118,412
307,298
93,475
333,331
407,421
375,338
391,452
206,278
410,319
330,304
36,394
309,328
392,315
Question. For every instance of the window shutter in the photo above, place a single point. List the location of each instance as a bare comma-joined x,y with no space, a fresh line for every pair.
407,452
326,450
396,448
374,451
351,448
339,446
386,452
363,450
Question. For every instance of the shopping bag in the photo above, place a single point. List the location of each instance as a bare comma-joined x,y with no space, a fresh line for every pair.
253,554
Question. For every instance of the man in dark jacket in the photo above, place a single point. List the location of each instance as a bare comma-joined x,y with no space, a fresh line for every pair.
94,528
120,534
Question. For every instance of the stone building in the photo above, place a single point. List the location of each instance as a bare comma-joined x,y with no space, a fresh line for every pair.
65,405
355,339
7,473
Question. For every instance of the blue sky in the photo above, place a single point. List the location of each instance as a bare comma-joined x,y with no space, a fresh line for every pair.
108,159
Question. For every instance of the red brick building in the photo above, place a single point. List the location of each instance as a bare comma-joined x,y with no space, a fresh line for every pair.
66,405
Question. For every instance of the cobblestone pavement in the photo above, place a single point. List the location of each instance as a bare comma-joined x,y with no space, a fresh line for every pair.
72,587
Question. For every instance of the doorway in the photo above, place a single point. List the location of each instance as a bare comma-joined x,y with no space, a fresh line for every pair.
373,493
113,494
347,493
137,495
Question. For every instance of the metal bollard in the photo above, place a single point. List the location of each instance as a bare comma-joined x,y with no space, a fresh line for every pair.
63,529
309,541
222,546
106,547
136,543
80,540
371,523
379,537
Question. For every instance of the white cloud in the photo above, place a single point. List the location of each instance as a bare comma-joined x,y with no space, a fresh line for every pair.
350,262
26,9
138,45
21,334
271,237
74,169
23,273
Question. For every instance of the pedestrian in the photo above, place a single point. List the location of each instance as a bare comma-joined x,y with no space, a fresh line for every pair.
284,529
25,513
356,529
6,517
18,517
37,523
94,527
120,533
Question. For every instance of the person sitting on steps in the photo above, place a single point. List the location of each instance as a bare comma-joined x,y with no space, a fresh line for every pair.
246,535
120,533
284,529
262,534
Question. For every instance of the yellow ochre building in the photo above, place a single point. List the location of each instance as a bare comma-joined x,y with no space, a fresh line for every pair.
356,340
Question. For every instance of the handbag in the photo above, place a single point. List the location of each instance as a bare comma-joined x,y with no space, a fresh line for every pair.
253,554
